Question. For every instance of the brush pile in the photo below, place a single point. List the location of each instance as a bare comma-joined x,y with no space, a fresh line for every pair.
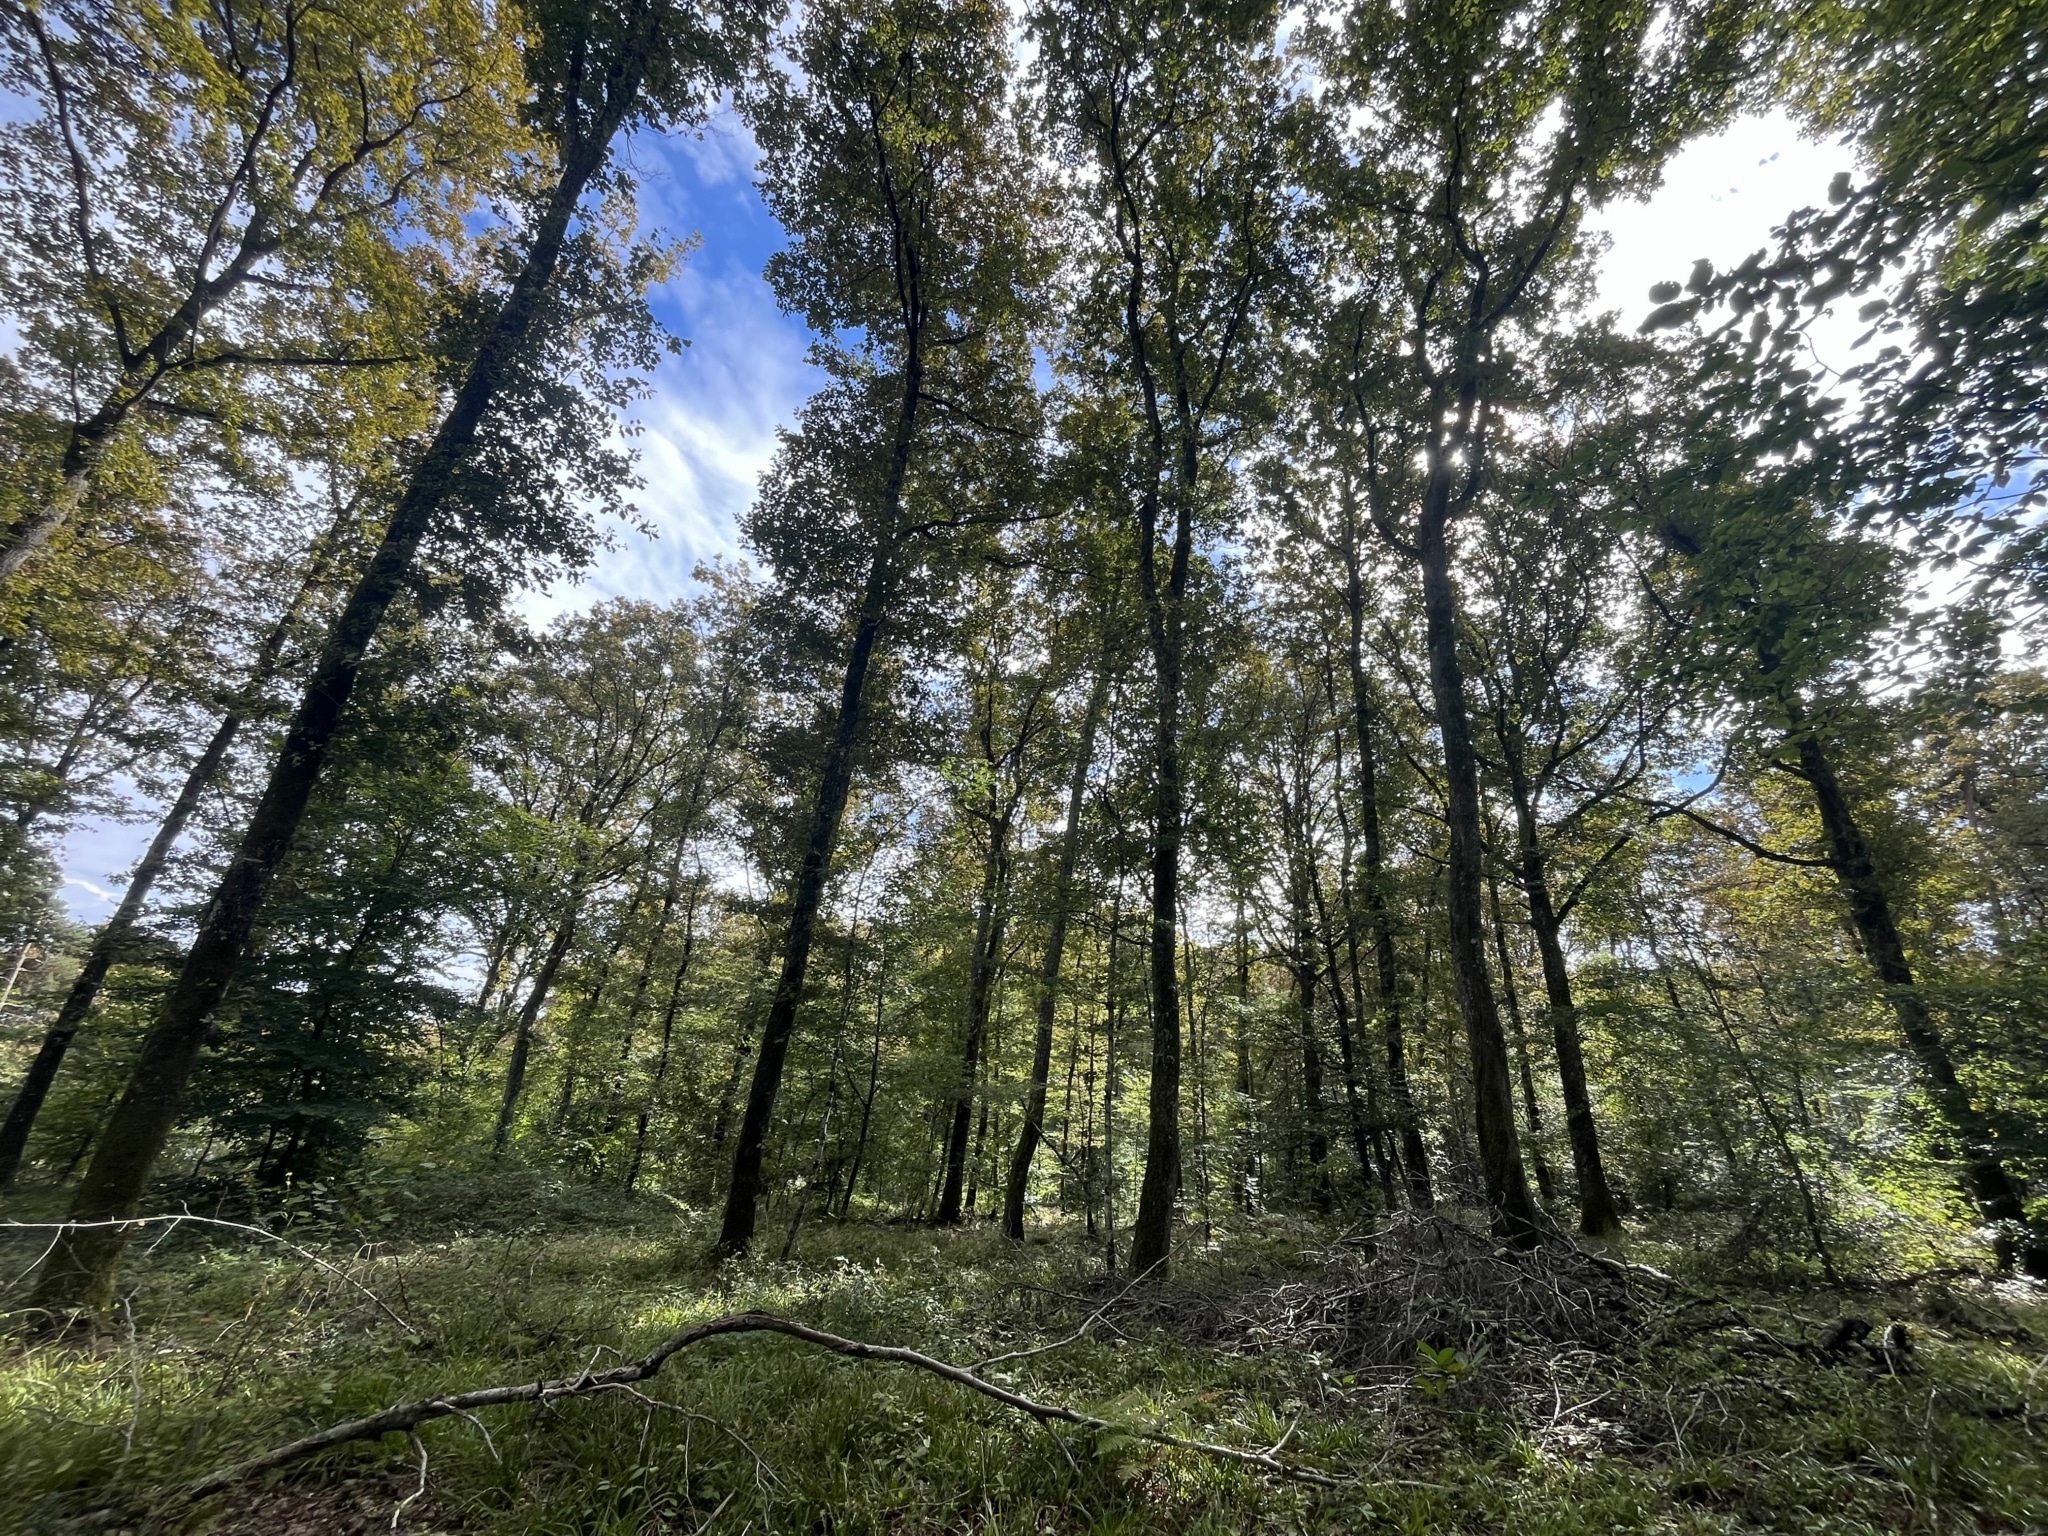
1425,1279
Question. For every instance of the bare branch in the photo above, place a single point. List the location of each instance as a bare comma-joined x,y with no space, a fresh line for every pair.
405,1418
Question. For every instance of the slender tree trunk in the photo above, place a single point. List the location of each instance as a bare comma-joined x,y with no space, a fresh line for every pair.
1776,1125
529,1015
867,1102
1546,1189
113,936
1033,1129
1598,1214
80,1267
106,948
1990,1186
1493,1105
1379,910
1113,1008
641,981
1246,1172
834,785
668,1027
988,942
1304,964
1361,1133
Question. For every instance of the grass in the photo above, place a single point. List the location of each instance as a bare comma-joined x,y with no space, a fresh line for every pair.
1698,1425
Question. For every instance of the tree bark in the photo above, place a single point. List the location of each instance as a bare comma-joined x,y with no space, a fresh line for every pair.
1990,1186
1500,1153
79,1270
1033,1129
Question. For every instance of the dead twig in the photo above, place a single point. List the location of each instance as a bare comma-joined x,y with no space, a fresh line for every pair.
407,1417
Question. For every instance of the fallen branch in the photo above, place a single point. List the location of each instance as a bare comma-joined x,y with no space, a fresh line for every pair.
405,1418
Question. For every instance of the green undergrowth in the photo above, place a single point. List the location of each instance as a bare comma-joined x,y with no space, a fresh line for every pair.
1716,1413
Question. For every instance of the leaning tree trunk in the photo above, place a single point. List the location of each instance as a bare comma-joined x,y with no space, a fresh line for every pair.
1493,1105
1033,1129
80,1267
113,936
736,1231
529,1015
1990,1186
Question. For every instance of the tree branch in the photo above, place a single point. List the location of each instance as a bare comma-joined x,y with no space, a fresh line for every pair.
405,1418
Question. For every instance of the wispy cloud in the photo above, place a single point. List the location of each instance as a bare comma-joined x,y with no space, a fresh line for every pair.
709,428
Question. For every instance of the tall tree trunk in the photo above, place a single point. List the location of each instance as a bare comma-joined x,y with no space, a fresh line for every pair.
1493,1105
80,1268
989,923
529,1015
1112,1012
1033,1129
1379,909
736,1231
1990,1186
1152,1232
113,936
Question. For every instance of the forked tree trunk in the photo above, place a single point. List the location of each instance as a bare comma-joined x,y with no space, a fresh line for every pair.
80,1267
1033,1129
1990,1186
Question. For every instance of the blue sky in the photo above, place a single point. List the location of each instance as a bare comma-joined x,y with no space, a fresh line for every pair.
708,429
709,425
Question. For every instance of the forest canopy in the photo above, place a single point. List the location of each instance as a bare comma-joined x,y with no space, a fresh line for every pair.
1252,703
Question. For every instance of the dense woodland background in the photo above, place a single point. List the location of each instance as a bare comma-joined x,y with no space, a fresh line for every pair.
1249,698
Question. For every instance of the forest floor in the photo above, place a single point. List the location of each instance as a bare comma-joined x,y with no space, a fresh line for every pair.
1437,1382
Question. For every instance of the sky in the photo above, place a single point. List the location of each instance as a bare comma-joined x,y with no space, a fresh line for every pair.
708,427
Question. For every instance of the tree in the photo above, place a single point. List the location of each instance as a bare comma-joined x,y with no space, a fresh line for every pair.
1177,121
593,72
206,196
897,172
1458,210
